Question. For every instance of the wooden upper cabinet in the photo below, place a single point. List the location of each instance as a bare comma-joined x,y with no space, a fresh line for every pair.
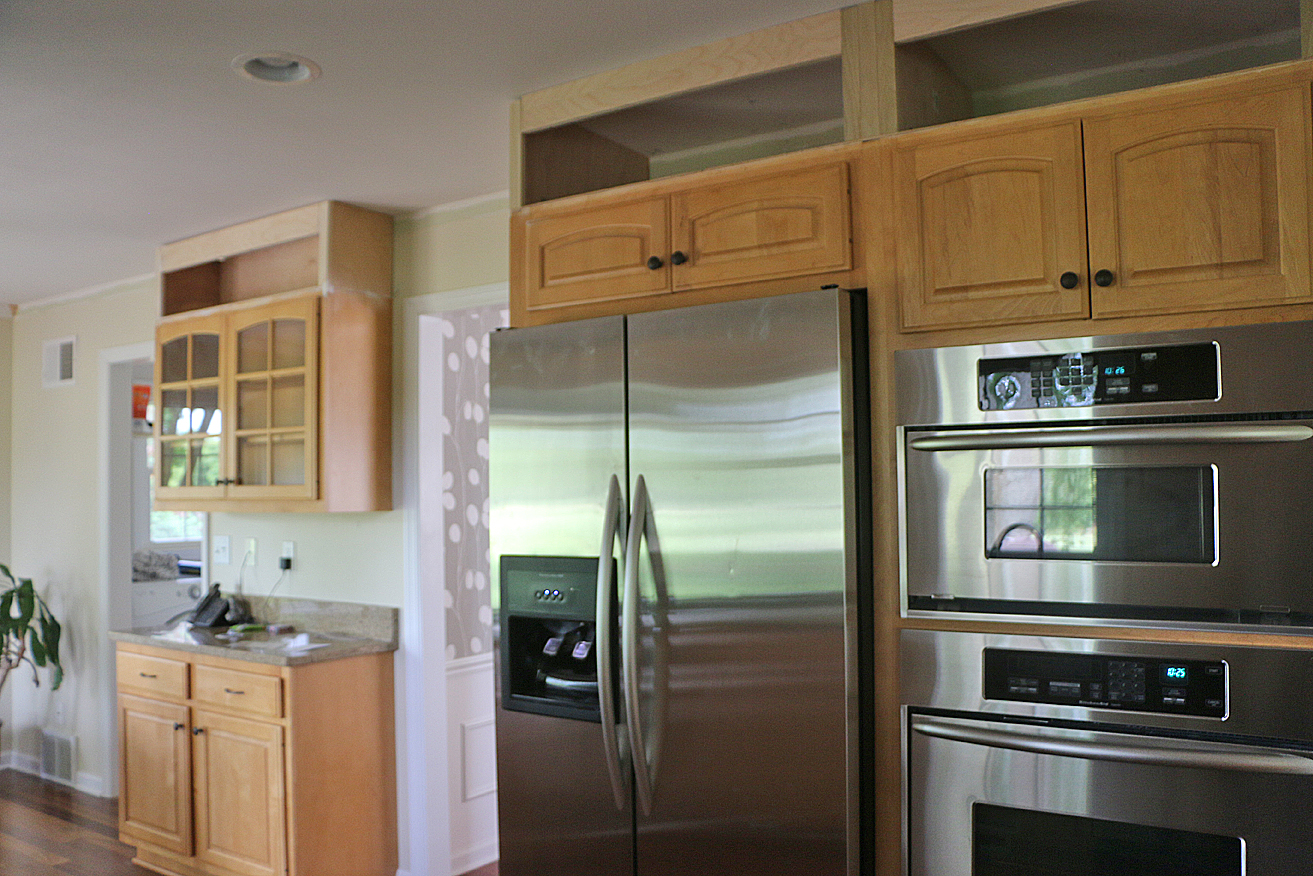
781,226
991,229
708,230
597,254
274,365
1203,206
273,438
1186,199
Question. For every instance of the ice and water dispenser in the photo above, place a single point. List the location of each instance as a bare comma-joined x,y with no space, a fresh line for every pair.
549,636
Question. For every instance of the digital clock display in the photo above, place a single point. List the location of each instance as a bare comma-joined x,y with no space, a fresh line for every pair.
1175,674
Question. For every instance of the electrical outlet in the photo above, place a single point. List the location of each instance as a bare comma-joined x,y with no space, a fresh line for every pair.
221,550
250,551
289,550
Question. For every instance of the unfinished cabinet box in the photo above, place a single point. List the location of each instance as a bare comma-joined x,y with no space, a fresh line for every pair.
1186,199
273,365
230,767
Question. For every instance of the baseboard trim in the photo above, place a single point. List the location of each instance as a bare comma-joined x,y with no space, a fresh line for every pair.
474,858
87,783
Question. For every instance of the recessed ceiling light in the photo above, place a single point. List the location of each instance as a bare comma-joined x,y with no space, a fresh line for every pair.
276,67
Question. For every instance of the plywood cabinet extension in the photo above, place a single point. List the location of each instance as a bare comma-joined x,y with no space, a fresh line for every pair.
719,228
273,365
228,767
1189,199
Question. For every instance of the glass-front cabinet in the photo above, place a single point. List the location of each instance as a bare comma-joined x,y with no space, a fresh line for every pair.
189,419
272,442
237,395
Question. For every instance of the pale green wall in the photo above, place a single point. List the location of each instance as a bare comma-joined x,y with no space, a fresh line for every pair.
55,503
55,489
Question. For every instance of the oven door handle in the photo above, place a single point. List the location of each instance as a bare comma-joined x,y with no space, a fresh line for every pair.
1104,436
1100,746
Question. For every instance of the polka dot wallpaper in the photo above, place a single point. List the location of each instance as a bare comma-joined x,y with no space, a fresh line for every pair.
465,478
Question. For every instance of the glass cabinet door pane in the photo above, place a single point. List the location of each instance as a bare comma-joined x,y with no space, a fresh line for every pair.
252,462
253,404
289,461
289,343
205,462
205,416
173,360
289,401
253,348
173,464
173,420
204,356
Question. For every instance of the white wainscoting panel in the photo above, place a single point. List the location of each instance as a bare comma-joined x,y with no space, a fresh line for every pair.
471,737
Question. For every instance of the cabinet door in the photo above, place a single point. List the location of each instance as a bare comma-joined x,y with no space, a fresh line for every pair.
786,225
596,254
274,428
1203,206
240,821
189,407
990,227
155,773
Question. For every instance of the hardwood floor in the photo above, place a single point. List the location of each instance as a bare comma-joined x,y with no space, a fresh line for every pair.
47,829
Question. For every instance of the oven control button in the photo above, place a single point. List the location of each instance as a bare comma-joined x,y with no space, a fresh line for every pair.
1213,703
1065,689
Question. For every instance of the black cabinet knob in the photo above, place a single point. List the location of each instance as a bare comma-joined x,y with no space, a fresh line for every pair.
654,263
197,731
1103,278
177,726
1069,280
678,258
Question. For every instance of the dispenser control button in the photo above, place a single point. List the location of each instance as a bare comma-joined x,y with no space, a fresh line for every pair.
553,646
581,650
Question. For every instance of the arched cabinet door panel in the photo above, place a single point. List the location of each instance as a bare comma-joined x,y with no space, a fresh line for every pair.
991,229
1201,206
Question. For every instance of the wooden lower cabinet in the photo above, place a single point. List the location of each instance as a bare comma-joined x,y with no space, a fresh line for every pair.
239,796
231,768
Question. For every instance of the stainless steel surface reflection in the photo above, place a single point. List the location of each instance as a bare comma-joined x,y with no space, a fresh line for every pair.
990,780
737,424
738,686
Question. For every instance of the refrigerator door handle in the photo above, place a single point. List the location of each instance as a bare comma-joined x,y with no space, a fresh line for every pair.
612,530
644,748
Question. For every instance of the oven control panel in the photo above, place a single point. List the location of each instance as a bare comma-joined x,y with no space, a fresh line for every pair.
1139,684
1184,372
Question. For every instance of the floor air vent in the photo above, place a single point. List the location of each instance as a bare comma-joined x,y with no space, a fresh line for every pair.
57,751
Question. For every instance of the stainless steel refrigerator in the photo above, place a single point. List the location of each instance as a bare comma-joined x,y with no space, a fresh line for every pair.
680,537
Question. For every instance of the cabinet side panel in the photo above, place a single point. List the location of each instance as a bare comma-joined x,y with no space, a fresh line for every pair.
342,819
357,250
356,411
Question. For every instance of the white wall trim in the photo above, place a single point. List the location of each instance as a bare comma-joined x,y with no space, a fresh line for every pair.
86,782
115,530
424,835
472,859
472,663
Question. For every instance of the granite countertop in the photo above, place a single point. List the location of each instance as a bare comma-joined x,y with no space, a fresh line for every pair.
323,631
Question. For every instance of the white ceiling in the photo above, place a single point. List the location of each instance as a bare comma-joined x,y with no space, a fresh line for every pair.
124,126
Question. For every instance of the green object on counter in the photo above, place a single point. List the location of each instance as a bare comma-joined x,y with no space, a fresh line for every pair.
246,628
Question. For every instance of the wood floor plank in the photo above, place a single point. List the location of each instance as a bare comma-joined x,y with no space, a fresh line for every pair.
47,829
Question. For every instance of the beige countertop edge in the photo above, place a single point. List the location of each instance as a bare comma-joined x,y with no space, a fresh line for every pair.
337,650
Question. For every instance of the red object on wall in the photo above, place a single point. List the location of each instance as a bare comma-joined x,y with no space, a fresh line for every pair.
140,399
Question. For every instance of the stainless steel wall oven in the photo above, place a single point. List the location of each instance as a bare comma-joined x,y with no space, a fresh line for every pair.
1160,478
1082,757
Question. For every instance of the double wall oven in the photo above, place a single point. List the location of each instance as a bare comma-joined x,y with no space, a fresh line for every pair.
1154,480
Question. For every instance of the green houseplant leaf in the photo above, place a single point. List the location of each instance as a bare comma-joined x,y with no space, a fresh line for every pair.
29,631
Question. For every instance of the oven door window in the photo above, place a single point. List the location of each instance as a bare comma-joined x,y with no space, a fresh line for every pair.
1132,514
1008,842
